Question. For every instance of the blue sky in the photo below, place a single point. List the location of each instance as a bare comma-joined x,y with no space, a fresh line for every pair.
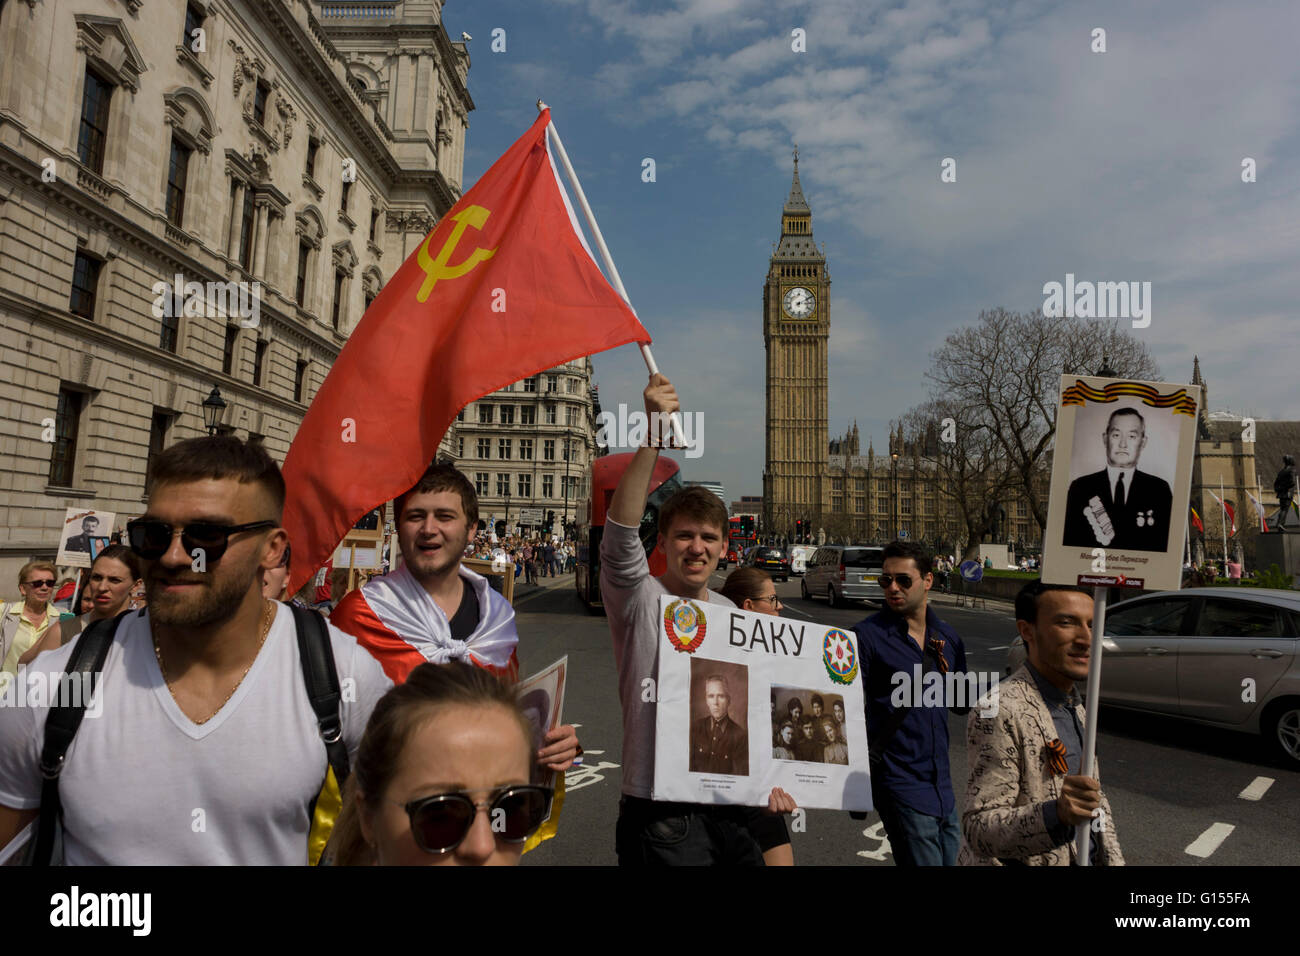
1116,166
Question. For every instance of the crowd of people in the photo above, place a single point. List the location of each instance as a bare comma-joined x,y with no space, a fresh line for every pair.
534,557
222,691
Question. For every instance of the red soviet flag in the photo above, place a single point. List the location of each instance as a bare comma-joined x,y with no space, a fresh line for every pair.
503,287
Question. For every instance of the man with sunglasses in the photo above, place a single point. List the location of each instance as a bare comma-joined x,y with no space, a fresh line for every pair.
910,783
23,623
210,751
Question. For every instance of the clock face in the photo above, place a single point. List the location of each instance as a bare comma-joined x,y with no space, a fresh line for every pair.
799,303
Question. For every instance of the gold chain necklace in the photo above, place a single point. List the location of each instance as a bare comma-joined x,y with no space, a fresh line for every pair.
268,615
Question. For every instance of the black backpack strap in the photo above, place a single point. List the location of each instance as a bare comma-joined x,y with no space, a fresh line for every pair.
322,679
88,656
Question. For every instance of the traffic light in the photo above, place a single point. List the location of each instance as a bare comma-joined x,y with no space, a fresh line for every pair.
550,520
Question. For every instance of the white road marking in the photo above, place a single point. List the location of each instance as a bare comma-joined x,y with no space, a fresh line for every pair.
1205,844
876,832
1258,787
1000,647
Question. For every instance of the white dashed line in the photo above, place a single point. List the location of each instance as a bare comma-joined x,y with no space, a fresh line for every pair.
1258,787
1209,841
1000,647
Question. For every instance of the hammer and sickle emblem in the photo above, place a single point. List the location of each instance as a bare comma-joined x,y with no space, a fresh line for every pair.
437,268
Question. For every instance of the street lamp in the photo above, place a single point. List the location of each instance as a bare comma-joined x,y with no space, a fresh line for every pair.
566,481
213,406
894,498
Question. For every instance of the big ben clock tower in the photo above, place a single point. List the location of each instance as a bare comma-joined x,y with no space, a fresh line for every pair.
796,332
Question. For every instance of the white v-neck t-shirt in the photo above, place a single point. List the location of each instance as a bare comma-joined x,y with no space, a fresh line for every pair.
143,784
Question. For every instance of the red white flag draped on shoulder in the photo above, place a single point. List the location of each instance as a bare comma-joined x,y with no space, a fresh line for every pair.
503,287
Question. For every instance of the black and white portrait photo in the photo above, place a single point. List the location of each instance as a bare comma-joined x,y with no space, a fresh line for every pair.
1122,464
719,732
808,726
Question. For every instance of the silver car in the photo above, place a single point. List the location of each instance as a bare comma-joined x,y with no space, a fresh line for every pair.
843,573
1227,657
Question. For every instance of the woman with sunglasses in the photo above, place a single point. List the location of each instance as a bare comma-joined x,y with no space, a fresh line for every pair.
113,578
442,775
24,624
751,589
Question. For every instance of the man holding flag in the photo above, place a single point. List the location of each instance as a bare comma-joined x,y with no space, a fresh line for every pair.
504,287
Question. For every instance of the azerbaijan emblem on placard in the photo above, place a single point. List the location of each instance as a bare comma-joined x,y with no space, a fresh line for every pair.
685,625
839,657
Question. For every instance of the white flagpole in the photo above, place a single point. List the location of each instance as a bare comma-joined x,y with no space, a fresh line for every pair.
1083,832
1223,524
615,279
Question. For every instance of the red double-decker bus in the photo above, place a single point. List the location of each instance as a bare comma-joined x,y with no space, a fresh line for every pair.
744,535
606,472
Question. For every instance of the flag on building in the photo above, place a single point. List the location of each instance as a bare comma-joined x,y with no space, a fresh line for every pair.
1259,511
504,287
1231,519
1196,522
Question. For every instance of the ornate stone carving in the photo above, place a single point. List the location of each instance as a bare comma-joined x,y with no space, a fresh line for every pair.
288,116
244,71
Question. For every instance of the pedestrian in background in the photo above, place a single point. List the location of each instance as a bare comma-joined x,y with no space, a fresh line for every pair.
114,576
24,622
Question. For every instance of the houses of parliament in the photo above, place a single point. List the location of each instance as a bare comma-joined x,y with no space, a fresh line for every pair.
814,485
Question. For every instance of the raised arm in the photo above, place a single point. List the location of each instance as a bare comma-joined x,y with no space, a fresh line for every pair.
628,502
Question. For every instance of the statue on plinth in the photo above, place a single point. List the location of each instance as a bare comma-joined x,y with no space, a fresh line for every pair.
1284,486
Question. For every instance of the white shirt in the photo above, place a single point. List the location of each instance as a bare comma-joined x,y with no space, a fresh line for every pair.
143,784
1112,475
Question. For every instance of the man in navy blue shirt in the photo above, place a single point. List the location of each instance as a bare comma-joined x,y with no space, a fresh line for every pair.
910,783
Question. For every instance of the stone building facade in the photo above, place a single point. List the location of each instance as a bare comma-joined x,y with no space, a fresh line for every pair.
271,161
877,497
796,334
1235,455
530,446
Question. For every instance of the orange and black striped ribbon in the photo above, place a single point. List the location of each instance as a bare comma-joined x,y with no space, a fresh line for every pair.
1056,757
1080,394
936,645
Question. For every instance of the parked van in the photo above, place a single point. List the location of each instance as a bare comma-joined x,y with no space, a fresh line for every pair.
799,555
844,572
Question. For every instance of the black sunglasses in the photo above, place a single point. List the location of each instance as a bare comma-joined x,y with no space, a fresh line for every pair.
441,822
44,583
904,580
150,538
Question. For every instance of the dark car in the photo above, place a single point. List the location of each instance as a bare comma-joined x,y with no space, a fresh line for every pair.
774,561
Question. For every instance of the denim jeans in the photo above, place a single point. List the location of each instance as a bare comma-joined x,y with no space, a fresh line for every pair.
683,834
918,839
